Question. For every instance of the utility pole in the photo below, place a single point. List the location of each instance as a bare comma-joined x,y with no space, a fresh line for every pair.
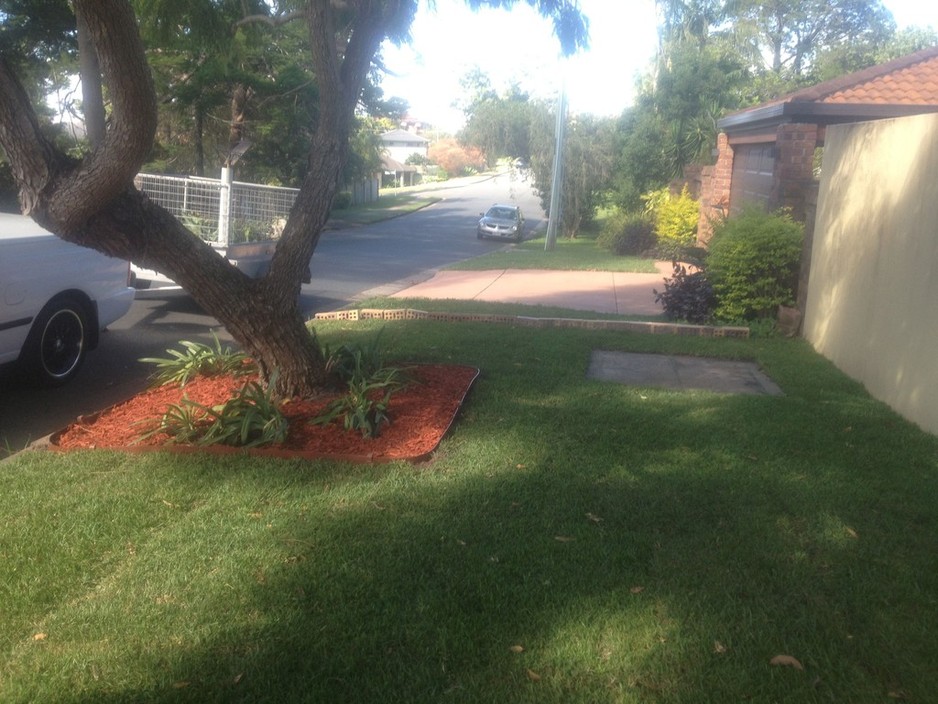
556,186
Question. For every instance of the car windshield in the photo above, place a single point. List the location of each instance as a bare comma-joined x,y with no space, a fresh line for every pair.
501,213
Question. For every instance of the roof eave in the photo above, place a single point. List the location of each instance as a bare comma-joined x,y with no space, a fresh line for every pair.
816,113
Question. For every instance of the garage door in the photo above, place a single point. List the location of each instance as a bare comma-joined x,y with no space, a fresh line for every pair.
753,169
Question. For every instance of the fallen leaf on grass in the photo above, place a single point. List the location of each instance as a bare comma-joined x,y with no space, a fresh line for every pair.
563,539
39,636
897,694
517,648
594,518
718,647
786,661
533,676
851,533
637,590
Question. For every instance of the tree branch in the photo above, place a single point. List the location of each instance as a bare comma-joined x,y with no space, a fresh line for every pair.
275,21
32,157
112,165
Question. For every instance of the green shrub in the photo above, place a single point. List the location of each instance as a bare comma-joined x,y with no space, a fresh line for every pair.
342,201
753,264
676,224
627,233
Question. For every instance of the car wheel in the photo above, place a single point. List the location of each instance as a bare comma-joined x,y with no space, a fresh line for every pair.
58,341
478,235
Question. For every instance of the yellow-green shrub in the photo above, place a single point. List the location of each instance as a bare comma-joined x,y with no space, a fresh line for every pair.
676,224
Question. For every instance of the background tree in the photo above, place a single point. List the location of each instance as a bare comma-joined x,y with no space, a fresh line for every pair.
640,164
499,125
850,56
454,158
712,59
41,42
792,33
91,201
587,163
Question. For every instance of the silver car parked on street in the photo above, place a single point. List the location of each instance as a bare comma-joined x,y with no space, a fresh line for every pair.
502,222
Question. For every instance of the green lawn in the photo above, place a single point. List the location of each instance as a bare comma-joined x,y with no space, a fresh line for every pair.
572,541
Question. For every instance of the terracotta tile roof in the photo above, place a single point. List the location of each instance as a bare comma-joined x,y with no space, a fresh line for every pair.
909,80
905,86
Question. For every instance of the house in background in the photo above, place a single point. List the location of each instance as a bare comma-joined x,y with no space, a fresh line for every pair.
766,154
399,146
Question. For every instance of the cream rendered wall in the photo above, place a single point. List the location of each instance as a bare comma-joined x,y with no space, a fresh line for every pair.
872,304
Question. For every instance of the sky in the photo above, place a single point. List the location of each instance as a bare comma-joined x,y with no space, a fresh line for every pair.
518,46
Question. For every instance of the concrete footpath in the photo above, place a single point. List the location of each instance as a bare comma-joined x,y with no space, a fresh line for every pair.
600,291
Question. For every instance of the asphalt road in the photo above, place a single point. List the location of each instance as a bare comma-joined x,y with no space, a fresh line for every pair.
349,264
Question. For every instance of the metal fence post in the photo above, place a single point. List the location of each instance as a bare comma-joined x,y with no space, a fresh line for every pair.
224,206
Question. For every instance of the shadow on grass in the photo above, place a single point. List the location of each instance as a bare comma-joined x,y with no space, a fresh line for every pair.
573,541
661,567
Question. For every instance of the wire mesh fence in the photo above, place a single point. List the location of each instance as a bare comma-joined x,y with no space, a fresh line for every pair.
219,212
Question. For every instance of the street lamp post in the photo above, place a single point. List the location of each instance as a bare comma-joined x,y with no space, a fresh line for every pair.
556,186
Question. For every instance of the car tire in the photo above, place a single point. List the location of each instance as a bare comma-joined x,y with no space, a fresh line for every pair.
478,235
58,341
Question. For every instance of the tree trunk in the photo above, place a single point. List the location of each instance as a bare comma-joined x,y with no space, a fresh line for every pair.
92,202
267,325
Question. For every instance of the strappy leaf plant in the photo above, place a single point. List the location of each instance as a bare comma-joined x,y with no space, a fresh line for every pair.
198,359
251,418
370,385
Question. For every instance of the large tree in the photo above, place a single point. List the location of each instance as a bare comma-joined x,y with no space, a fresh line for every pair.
791,33
92,201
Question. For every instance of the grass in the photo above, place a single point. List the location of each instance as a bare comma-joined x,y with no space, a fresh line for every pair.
579,254
386,207
573,541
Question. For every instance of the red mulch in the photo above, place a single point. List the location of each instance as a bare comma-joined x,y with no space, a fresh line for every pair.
420,414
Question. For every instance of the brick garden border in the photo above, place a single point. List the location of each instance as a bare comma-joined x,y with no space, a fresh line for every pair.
529,322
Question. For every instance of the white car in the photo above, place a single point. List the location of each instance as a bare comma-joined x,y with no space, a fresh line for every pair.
55,299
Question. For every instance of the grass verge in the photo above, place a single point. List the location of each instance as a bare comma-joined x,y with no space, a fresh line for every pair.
386,207
580,254
572,541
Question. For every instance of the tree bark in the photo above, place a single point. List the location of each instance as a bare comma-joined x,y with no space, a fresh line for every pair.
92,202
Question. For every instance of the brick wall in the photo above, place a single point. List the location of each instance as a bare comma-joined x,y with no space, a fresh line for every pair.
793,179
715,184
794,167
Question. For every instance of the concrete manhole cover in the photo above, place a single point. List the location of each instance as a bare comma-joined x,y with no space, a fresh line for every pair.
680,372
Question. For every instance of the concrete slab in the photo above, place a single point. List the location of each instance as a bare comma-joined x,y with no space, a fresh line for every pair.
680,372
